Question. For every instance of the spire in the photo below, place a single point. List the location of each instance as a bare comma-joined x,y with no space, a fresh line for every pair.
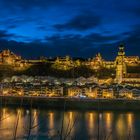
121,50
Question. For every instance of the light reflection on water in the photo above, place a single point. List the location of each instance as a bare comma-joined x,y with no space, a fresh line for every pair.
47,124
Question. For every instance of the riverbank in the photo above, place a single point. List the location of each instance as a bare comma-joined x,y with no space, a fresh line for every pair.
70,103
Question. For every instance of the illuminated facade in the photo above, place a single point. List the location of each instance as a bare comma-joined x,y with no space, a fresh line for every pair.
120,64
107,93
64,63
95,63
9,58
74,91
126,93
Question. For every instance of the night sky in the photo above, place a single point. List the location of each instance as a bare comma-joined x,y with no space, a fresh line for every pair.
79,28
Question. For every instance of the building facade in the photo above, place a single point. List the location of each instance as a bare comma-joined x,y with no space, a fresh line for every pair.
120,64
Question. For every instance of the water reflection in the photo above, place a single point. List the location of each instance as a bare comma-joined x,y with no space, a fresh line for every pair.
51,120
121,125
130,123
35,121
90,120
130,120
70,122
79,125
108,118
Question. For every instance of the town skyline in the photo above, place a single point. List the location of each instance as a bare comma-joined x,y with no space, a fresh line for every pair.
113,51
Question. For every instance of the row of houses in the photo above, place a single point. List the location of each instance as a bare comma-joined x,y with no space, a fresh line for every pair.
96,92
72,91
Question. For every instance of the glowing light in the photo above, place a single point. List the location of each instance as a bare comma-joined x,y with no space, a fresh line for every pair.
108,118
91,120
51,120
120,125
130,120
71,116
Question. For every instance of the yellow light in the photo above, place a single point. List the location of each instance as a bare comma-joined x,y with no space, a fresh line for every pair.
108,118
130,119
51,120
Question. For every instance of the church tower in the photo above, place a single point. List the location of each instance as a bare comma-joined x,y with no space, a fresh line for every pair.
120,65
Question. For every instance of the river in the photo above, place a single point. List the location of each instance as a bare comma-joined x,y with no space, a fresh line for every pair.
45,124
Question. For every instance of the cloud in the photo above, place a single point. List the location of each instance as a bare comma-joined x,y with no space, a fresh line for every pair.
133,41
84,46
75,45
80,22
29,4
137,11
57,45
99,38
27,50
15,21
5,35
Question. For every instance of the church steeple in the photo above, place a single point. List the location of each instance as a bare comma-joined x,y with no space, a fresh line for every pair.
121,50
120,64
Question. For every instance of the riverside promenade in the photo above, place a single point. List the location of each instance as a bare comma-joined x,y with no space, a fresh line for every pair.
70,103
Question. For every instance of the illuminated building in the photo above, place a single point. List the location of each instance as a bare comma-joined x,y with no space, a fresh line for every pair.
9,58
126,93
64,63
132,60
54,91
91,92
74,91
107,93
96,62
120,65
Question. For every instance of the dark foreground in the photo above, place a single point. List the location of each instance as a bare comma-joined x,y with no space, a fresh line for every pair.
70,103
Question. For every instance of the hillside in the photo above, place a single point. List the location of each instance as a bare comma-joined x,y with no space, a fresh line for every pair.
45,69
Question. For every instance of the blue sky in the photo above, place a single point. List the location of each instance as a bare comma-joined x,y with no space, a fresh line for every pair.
79,28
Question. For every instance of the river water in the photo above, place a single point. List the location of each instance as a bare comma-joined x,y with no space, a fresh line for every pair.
44,124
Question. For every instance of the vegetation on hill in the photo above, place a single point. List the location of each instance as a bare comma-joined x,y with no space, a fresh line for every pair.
6,71
45,69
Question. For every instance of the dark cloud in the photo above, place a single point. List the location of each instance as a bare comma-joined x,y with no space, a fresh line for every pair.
75,45
99,38
80,22
57,45
29,4
27,50
5,35
137,11
42,27
82,46
11,26
133,41
14,22
69,45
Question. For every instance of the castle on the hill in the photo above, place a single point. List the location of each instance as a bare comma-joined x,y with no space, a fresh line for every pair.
120,64
9,58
